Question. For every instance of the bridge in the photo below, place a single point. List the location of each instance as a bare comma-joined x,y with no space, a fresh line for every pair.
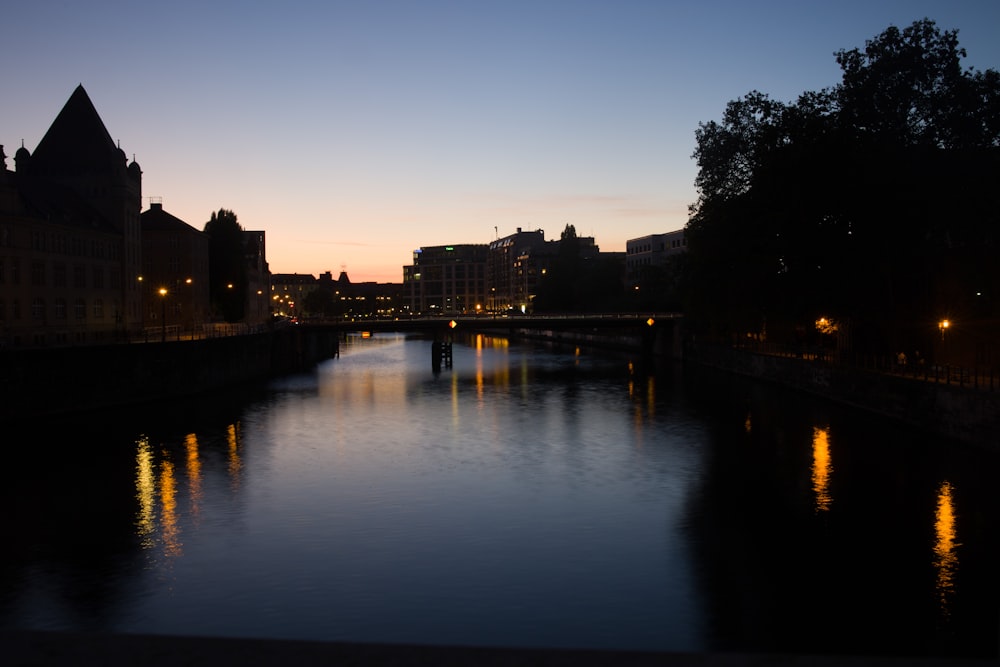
656,333
493,323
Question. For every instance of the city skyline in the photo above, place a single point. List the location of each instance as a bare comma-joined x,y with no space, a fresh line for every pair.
354,134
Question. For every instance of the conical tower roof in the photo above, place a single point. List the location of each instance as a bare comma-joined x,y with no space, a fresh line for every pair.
77,140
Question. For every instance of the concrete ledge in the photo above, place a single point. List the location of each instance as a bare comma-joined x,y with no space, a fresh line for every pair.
57,648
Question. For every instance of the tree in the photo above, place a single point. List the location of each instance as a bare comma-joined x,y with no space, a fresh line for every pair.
856,202
227,270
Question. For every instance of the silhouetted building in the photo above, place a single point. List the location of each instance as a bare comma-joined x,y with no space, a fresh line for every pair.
445,280
652,250
257,308
175,258
70,245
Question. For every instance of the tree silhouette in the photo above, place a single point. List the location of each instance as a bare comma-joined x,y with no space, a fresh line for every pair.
227,272
870,202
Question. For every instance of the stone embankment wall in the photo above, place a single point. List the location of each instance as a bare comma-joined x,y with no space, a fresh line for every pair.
662,341
962,413
50,381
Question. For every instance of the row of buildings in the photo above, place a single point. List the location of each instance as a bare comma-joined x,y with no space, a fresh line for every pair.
501,276
82,263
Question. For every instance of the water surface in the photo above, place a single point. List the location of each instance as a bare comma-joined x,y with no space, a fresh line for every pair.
525,497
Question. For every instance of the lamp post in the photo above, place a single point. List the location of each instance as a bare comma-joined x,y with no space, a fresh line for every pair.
163,314
189,306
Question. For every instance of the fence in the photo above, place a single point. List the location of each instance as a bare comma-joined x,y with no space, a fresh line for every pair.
984,378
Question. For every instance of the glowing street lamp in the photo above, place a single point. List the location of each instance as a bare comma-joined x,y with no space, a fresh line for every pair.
163,314
943,326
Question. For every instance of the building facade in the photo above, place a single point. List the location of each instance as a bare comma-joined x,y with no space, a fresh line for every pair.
652,250
70,244
289,291
257,308
515,264
446,280
175,259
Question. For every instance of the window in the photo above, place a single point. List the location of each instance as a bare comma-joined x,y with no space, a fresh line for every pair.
80,309
38,274
38,309
60,306
79,277
58,275
98,277
98,309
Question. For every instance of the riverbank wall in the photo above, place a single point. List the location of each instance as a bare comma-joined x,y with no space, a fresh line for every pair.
662,341
59,380
962,413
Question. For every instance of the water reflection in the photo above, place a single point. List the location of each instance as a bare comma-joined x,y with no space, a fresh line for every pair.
145,485
168,500
160,484
945,548
193,474
822,469
235,462
520,498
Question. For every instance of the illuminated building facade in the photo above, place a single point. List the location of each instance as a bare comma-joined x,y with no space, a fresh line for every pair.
446,280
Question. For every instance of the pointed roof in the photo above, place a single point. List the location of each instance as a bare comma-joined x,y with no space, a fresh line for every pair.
156,219
77,140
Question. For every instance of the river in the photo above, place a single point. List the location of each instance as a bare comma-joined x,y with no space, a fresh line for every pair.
528,496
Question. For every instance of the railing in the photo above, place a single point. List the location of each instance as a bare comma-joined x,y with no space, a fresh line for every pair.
975,377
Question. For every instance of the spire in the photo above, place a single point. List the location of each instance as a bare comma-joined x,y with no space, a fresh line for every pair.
77,139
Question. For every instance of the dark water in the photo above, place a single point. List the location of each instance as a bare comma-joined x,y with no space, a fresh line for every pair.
526,497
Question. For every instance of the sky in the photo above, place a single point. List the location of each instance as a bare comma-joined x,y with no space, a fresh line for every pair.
353,133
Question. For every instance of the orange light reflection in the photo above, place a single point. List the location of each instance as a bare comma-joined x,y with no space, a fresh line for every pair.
945,547
822,469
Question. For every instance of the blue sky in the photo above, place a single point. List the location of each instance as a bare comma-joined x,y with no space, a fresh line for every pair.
355,132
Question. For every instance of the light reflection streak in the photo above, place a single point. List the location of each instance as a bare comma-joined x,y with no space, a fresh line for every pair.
193,473
145,492
822,468
945,547
480,380
168,501
235,463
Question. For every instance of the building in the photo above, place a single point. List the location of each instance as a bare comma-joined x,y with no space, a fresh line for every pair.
446,280
514,266
70,244
519,261
257,308
652,250
175,259
289,291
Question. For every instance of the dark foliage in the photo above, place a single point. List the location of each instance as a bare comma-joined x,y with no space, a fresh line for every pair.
873,202
227,277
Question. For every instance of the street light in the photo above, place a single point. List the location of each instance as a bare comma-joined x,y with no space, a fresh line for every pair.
163,314
943,326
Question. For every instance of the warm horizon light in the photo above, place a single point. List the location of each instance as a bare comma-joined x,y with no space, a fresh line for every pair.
354,133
